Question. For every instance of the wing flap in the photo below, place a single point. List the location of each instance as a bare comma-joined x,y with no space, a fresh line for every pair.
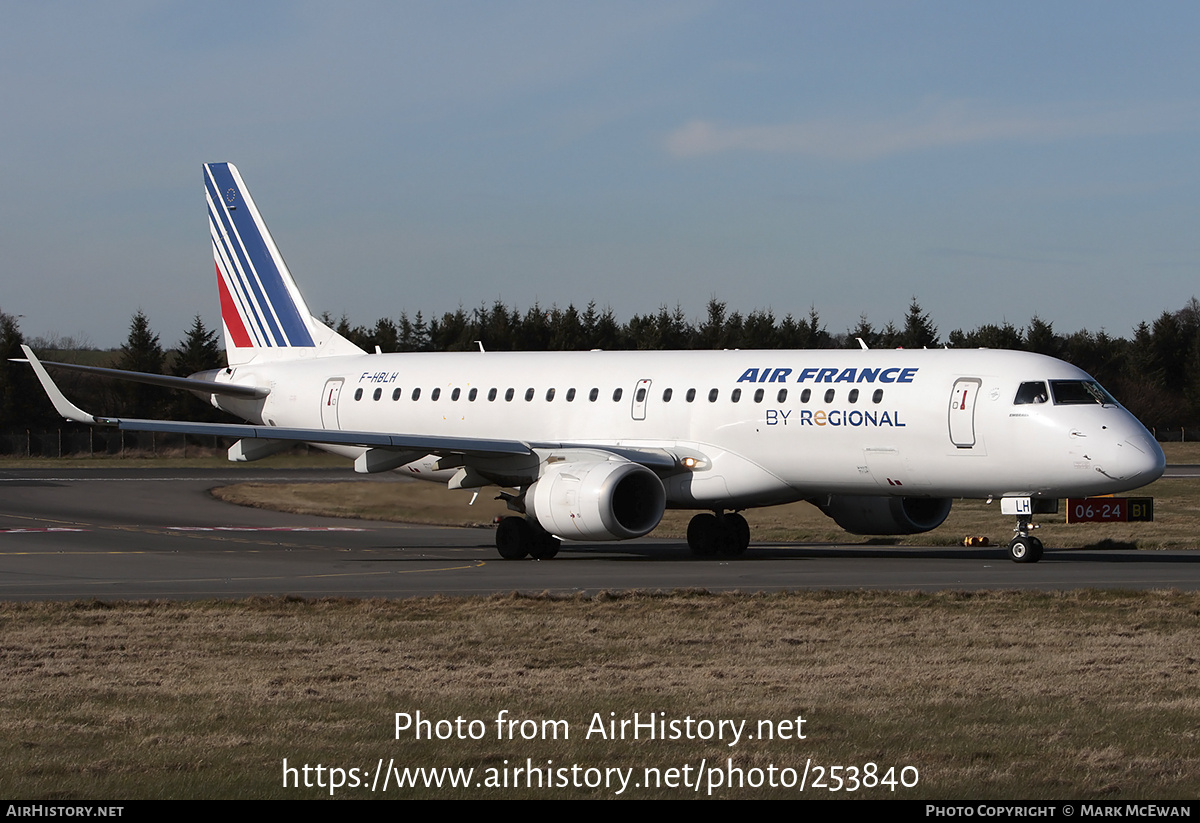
425,444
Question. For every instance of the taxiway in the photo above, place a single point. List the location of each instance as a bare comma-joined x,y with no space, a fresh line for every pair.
112,533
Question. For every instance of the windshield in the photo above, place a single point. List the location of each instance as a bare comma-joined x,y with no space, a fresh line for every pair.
1080,392
1033,392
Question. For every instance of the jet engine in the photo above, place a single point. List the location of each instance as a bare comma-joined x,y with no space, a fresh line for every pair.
887,515
604,500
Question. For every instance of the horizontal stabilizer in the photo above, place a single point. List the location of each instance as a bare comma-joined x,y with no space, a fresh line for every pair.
185,383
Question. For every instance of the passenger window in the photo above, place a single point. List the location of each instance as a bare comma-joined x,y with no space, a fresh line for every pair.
454,395
877,397
640,395
617,395
667,395
758,395
593,394
435,394
491,395
853,397
736,396
782,398
358,394
416,395
804,395
691,395
829,395
508,395
396,394
549,395
1032,392
471,395
528,394
378,394
570,395
712,396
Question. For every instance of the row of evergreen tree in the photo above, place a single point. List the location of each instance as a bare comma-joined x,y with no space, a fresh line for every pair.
1155,372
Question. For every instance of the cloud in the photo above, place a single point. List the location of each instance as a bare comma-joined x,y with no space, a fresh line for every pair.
936,125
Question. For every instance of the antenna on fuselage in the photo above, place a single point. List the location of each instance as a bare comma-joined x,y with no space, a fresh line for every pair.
863,343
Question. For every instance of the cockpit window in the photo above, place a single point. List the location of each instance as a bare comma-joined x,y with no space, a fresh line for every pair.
1080,392
1031,393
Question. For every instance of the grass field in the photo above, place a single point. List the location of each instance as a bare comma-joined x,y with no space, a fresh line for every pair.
987,695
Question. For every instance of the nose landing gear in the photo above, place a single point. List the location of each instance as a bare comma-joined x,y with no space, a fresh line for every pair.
1023,548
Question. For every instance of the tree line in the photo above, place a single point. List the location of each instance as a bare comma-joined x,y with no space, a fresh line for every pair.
1155,372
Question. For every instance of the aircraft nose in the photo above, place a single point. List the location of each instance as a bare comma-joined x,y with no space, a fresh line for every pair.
1141,459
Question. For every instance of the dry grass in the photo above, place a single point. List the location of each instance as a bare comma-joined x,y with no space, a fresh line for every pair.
988,695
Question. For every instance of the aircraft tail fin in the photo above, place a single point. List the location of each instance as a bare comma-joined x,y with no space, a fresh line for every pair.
263,313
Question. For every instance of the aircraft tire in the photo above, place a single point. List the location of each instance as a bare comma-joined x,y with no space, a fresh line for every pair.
704,535
513,538
1037,550
544,546
1025,550
741,533
727,537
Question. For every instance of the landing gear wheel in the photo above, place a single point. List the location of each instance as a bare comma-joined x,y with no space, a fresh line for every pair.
725,534
1036,545
543,545
513,538
1025,549
740,533
703,535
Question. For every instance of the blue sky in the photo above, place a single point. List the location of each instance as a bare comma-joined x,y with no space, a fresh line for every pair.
995,160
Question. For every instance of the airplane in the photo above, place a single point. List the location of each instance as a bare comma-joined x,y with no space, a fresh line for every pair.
596,445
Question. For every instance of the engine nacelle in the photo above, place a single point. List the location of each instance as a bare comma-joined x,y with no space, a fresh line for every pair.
887,515
604,500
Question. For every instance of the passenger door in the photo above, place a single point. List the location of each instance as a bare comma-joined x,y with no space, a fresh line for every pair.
962,411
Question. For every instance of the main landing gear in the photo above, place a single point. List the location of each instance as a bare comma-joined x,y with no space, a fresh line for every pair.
517,537
1023,548
724,533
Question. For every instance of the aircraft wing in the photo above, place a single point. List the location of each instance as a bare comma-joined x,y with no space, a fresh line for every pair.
425,444
417,444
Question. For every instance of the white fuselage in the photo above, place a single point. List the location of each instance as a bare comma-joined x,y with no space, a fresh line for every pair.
937,423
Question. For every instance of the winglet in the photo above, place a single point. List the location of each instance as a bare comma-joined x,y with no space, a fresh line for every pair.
64,406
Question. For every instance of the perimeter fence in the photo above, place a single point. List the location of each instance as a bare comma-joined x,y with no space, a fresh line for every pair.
86,441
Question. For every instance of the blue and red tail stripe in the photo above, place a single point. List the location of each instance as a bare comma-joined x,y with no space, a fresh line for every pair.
257,306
